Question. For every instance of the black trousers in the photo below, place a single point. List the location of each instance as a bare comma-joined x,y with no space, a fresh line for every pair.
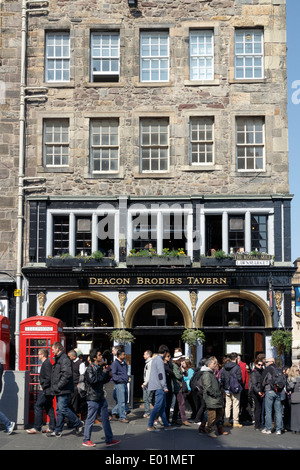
44,402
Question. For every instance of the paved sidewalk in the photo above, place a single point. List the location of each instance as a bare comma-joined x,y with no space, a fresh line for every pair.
135,437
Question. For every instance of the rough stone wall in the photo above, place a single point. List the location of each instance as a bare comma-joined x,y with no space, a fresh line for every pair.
178,100
129,100
10,39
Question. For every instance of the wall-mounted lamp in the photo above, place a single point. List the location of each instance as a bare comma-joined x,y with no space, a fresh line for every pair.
132,3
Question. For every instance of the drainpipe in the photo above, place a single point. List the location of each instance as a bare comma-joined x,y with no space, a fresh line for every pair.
22,120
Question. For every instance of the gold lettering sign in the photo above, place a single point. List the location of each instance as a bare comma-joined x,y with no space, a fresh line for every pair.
157,281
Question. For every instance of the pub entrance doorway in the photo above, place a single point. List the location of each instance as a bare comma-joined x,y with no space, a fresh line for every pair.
158,321
87,324
234,325
150,339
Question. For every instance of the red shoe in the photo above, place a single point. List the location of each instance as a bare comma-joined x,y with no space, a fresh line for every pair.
113,442
88,444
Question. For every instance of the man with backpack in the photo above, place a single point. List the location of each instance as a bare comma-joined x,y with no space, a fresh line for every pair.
273,382
232,382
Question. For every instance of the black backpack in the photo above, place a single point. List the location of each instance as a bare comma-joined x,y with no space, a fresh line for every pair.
278,380
195,386
234,384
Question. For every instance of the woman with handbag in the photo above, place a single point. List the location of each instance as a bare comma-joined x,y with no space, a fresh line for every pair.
293,386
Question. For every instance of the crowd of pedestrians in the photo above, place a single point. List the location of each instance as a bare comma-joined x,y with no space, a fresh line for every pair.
212,396
221,395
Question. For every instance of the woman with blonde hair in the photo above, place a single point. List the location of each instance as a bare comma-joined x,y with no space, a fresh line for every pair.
293,386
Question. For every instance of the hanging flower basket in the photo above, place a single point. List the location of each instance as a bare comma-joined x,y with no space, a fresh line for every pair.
122,336
192,336
282,340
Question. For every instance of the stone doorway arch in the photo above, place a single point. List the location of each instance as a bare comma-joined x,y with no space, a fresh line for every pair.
84,294
235,293
137,303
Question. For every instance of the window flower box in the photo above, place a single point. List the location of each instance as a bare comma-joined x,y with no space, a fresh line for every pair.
158,261
149,257
85,261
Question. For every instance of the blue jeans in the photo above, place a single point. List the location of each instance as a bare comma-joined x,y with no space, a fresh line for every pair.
62,411
159,409
273,399
95,407
147,397
127,409
4,420
120,408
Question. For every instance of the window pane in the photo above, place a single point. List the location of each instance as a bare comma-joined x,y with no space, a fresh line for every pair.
104,145
57,57
154,56
154,145
249,54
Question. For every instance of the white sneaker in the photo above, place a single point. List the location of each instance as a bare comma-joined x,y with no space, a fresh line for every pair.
10,428
264,431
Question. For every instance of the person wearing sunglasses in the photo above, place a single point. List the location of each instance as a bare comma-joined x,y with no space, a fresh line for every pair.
256,392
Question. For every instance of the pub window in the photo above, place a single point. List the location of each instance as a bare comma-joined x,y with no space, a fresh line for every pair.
236,236
83,243
174,231
61,228
144,231
259,233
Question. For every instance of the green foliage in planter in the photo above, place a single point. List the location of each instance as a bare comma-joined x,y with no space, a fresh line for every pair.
220,254
191,336
122,336
98,255
282,340
166,252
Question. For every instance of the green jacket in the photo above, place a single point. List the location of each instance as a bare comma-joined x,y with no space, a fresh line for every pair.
179,378
212,392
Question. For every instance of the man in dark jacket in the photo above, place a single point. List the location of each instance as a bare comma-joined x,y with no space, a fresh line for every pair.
232,397
62,385
45,396
120,378
272,399
213,397
95,378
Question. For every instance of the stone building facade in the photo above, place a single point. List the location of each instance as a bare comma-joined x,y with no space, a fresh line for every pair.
161,125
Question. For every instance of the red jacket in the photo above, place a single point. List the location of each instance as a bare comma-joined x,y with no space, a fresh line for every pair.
245,375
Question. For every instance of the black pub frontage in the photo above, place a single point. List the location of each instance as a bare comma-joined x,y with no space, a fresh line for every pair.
158,267
236,306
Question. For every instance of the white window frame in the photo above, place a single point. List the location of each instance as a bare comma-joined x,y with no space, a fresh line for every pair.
160,212
204,143
226,212
154,147
249,54
106,149
154,56
94,214
58,56
250,144
59,142
201,55
109,54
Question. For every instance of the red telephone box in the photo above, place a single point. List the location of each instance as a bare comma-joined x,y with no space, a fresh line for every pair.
37,333
4,341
